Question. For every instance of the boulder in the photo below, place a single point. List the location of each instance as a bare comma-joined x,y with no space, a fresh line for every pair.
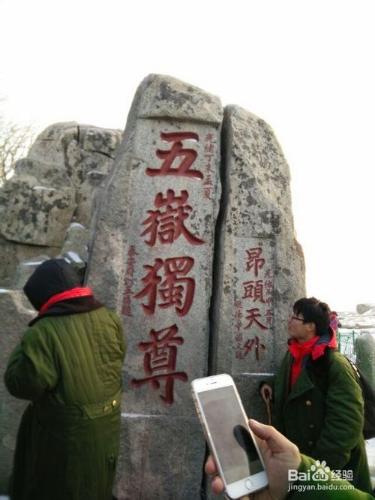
151,260
36,214
259,266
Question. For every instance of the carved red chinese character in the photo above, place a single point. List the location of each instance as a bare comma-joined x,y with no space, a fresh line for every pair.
177,153
176,290
151,281
254,290
255,261
168,225
255,342
159,362
253,315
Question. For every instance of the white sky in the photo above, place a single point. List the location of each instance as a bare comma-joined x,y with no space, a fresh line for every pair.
306,67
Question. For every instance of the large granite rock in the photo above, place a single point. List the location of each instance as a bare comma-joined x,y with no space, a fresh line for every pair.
36,214
365,309
76,241
259,266
54,191
69,154
24,270
12,255
14,319
152,261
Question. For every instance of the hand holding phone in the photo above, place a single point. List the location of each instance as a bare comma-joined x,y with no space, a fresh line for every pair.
280,455
225,424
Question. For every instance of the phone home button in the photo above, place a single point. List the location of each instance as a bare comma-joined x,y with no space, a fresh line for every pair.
248,484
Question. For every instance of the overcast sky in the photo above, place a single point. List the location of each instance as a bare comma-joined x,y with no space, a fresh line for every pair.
306,67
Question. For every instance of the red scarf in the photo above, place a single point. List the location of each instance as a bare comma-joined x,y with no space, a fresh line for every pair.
311,347
299,351
68,294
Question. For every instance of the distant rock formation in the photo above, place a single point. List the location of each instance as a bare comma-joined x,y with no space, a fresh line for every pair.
46,207
363,319
366,309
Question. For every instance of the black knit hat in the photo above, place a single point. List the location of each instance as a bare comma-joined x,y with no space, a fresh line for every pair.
51,277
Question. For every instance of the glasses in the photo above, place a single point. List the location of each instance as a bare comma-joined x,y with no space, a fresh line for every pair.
297,318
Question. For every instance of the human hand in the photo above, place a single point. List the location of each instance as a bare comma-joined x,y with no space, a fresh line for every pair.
279,456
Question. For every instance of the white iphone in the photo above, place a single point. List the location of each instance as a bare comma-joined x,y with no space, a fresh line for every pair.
230,439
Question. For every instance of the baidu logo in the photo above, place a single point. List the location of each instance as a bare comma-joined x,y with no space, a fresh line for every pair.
317,472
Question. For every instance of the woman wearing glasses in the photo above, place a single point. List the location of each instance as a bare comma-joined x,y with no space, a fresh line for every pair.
317,402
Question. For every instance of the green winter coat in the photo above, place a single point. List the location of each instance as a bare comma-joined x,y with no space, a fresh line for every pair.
328,487
323,415
68,440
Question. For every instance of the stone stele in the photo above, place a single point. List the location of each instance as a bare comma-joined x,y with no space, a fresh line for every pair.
152,262
259,267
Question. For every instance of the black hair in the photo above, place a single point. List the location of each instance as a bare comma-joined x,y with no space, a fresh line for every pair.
314,311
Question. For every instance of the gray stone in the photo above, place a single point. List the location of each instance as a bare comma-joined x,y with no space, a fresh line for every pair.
48,174
169,450
53,145
97,151
365,308
14,319
36,214
259,270
166,97
55,186
72,155
25,270
12,254
76,242
158,175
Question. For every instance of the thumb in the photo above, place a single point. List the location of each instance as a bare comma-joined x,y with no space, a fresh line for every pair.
276,442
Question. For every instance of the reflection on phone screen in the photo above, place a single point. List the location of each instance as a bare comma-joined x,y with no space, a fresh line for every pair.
234,445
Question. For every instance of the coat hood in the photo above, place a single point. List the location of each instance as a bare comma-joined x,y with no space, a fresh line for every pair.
50,278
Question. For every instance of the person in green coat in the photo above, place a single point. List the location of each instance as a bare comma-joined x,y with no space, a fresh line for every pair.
317,401
68,365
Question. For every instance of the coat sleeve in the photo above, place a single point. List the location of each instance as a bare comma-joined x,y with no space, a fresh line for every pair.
343,423
31,369
279,388
329,488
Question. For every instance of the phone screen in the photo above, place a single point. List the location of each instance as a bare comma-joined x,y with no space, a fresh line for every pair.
234,446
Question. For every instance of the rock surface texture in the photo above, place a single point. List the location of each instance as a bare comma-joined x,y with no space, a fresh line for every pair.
14,319
152,261
55,186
